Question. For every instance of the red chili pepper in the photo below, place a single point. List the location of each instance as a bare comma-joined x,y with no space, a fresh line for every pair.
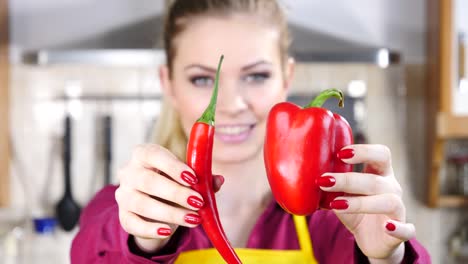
199,156
301,145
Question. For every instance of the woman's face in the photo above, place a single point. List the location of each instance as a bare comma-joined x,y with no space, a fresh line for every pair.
251,81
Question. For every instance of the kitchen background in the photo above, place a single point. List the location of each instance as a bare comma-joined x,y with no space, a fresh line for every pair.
376,52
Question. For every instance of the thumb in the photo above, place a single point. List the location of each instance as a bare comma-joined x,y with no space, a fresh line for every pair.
218,181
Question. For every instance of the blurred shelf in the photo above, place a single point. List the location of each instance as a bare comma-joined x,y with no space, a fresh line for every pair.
111,97
450,126
104,57
453,201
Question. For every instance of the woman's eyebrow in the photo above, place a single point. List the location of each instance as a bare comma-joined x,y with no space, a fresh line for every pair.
213,70
255,64
199,66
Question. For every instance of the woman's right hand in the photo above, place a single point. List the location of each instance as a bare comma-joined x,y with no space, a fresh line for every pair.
154,196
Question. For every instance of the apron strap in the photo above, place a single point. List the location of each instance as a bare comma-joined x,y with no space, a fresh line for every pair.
303,235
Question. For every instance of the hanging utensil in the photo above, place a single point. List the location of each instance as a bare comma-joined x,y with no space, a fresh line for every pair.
67,210
107,149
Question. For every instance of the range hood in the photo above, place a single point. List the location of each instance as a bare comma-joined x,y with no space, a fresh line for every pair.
137,44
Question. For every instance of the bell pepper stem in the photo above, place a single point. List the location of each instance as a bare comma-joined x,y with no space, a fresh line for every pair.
325,95
209,114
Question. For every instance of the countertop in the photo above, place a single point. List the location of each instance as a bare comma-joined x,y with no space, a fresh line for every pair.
19,244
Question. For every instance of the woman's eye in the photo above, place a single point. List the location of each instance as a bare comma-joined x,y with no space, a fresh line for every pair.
256,77
202,81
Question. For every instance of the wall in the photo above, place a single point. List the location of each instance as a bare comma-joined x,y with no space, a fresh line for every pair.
397,24
461,11
49,23
37,126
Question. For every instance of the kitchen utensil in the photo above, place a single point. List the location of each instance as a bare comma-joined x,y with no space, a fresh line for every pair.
107,149
67,210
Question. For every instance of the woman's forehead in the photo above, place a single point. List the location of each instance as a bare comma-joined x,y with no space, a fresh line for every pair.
237,37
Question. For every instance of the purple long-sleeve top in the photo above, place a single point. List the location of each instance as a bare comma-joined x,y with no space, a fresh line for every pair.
101,238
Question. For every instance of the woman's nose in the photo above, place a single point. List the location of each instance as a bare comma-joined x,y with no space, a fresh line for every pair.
230,99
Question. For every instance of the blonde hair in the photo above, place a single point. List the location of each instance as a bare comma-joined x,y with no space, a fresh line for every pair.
169,131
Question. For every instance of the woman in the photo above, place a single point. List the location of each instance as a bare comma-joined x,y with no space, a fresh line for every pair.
153,217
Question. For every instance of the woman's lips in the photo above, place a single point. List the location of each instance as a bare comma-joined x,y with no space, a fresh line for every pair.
233,133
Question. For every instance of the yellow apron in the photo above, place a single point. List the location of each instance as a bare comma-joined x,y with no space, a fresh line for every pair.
250,256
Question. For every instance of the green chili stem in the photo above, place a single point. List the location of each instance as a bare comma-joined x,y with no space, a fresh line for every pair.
325,95
209,114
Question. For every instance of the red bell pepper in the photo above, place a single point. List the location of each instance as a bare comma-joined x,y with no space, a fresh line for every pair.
199,156
300,145
343,138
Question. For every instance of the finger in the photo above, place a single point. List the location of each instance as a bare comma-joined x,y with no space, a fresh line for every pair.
154,184
218,181
145,206
156,157
357,183
388,204
135,225
376,156
399,230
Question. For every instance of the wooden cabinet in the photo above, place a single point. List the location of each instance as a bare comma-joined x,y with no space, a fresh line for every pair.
443,124
4,106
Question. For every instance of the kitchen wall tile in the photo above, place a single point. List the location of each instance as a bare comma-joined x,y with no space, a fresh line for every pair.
37,118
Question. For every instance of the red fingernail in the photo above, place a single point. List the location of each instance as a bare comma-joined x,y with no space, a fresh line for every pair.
345,154
192,219
339,204
326,181
195,202
390,226
221,180
188,177
164,231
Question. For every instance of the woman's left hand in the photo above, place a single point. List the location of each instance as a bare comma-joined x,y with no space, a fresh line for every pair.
372,208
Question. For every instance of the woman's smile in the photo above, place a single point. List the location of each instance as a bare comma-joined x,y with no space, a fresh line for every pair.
234,133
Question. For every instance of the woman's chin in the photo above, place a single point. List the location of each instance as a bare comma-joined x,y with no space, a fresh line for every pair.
235,155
